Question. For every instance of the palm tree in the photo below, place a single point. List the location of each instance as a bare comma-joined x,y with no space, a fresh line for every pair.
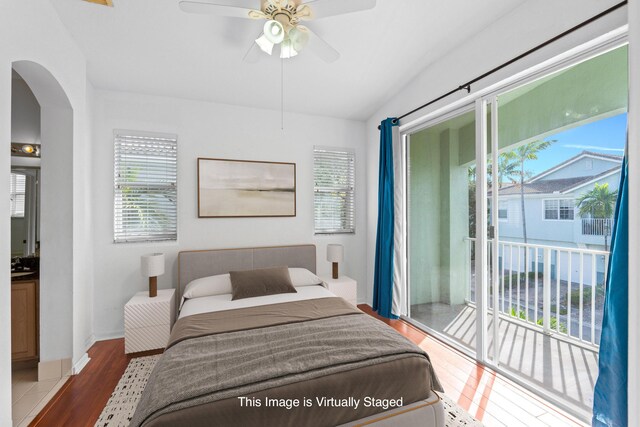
598,203
521,155
507,167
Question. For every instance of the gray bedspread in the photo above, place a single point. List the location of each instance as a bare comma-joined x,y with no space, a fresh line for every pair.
220,366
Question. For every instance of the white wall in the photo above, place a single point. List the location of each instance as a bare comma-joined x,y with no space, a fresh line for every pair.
527,26
25,113
221,131
32,31
56,223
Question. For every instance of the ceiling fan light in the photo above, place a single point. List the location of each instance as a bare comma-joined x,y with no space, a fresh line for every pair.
265,44
287,50
299,38
274,31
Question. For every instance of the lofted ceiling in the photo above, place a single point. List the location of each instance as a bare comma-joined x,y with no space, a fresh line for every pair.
151,47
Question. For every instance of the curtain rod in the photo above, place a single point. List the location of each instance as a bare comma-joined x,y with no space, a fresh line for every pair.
467,86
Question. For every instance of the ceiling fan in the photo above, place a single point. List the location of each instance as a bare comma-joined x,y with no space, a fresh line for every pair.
283,23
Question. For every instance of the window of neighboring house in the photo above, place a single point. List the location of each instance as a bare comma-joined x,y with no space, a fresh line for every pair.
334,190
559,209
566,209
145,187
503,210
16,194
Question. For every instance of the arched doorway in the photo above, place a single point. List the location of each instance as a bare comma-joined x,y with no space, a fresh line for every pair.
55,290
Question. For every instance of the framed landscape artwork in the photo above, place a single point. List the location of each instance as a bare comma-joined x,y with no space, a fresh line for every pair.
245,188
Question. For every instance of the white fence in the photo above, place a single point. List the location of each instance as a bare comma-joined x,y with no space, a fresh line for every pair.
558,289
596,226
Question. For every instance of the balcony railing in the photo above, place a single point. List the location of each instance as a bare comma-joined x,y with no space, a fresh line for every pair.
559,290
596,226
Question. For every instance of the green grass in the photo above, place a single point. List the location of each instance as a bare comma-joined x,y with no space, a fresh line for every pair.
554,321
586,295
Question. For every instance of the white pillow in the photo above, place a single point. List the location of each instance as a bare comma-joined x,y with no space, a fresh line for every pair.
221,284
205,286
303,277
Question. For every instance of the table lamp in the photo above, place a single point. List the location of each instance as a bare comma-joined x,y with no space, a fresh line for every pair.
335,254
152,266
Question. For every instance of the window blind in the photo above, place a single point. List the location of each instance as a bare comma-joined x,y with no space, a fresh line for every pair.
145,187
334,190
17,192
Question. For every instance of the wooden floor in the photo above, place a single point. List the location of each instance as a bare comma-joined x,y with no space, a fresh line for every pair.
487,396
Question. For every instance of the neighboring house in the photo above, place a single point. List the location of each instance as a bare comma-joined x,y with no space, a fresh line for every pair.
550,204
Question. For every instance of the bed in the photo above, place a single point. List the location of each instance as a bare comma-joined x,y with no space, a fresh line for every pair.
290,359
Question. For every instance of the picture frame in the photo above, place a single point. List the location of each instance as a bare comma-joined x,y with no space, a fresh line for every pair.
229,188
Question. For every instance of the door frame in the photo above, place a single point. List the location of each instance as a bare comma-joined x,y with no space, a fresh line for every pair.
481,101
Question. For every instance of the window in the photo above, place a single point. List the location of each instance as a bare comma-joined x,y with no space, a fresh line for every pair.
334,194
559,209
566,209
551,209
503,210
145,187
16,194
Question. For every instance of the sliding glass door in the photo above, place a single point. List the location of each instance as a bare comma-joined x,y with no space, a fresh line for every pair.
441,218
558,151
533,169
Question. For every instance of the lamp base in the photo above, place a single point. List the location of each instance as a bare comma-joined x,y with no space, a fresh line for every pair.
153,287
335,270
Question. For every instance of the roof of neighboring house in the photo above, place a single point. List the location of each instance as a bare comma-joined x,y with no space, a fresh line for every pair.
550,186
585,153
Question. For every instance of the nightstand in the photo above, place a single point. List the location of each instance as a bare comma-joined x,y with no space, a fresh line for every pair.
344,287
147,321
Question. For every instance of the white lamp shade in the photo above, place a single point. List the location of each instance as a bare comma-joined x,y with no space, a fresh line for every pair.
299,39
152,265
265,44
286,49
273,31
335,253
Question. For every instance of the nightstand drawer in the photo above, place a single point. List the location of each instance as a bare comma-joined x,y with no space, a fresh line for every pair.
142,315
143,339
142,311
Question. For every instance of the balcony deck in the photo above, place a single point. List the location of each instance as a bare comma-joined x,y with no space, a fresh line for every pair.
562,371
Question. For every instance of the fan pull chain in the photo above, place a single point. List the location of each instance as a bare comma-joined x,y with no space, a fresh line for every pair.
281,94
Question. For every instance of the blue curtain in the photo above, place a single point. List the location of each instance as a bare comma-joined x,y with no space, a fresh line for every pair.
610,396
383,277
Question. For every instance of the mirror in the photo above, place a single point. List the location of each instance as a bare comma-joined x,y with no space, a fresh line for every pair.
25,211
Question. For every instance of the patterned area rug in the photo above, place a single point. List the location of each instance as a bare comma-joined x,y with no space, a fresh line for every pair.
124,399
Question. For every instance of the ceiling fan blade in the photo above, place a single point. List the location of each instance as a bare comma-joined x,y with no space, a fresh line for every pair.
320,47
208,8
326,8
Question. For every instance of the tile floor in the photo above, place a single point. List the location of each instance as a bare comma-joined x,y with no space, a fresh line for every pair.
29,395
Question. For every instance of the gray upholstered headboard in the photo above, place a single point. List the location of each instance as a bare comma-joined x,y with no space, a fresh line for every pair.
196,264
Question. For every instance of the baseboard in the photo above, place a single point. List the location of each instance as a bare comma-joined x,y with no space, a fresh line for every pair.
80,364
109,336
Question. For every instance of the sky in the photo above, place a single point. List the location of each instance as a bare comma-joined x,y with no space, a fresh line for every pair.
606,136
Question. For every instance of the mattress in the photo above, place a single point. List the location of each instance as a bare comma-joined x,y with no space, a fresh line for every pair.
223,302
310,345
